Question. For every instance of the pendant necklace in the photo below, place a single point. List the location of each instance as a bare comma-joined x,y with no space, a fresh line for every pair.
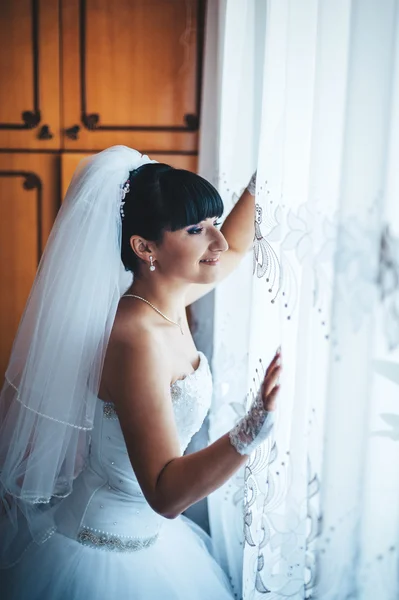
157,309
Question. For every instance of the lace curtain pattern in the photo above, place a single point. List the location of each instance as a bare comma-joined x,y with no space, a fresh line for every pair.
309,94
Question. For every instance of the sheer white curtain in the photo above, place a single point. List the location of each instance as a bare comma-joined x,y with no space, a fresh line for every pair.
315,513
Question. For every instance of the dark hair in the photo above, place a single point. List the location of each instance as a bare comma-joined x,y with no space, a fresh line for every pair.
162,198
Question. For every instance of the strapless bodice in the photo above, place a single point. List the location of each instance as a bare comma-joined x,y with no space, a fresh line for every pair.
106,508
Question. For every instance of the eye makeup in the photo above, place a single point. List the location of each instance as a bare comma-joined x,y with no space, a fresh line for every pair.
197,229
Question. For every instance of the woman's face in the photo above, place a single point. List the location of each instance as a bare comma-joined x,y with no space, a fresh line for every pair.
192,253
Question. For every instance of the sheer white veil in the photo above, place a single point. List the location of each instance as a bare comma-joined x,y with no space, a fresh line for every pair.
48,399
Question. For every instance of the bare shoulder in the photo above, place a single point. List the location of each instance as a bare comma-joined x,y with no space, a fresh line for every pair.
128,320
136,346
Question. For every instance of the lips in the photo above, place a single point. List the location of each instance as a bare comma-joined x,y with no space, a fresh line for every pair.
210,260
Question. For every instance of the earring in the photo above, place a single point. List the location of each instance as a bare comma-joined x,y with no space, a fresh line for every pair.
152,268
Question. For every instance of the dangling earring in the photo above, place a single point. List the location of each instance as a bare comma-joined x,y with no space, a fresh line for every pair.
152,268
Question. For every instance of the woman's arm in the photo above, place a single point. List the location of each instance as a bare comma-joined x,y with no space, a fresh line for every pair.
140,389
188,479
239,228
239,231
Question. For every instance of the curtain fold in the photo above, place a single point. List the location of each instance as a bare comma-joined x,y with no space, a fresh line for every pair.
309,94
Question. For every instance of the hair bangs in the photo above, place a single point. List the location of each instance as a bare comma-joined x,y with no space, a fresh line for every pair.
191,199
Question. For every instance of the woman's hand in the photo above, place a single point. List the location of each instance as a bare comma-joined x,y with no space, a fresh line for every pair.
256,426
271,385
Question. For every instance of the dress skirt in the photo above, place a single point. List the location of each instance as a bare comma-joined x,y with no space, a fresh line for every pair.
179,566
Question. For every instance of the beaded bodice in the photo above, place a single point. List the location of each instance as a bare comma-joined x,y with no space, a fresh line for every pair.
106,508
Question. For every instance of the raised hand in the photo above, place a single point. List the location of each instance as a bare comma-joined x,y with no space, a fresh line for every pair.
271,385
256,426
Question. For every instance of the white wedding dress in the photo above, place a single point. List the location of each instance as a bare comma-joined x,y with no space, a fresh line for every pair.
109,543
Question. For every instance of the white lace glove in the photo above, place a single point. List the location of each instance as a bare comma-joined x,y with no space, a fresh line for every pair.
252,429
256,426
251,187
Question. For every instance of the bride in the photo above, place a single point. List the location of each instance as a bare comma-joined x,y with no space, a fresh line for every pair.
105,388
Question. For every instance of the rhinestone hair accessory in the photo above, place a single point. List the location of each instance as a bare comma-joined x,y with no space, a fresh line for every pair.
125,190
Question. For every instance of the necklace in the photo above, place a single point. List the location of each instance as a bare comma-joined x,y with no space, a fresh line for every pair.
157,309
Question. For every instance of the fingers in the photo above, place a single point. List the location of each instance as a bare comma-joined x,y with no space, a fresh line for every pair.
270,402
271,380
276,360
271,387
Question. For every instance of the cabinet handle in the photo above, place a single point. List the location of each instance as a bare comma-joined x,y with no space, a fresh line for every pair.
45,133
72,132
31,118
91,121
191,121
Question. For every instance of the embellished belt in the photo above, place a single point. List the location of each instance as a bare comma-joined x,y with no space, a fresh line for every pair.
102,540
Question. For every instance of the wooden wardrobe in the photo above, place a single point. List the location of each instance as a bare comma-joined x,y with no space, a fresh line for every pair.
77,76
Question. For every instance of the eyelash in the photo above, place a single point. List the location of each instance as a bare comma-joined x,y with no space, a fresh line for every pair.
198,230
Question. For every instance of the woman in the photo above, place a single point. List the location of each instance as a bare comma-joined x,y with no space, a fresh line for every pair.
105,389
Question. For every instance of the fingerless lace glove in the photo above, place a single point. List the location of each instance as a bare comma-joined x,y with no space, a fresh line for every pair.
252,429
251,187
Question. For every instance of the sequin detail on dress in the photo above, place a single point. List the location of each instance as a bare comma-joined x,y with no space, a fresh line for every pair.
115,543
109,411
176,392
191,400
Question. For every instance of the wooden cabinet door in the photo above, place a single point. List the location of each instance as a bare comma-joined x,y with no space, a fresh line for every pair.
29,74
70,161
131,73
29,188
